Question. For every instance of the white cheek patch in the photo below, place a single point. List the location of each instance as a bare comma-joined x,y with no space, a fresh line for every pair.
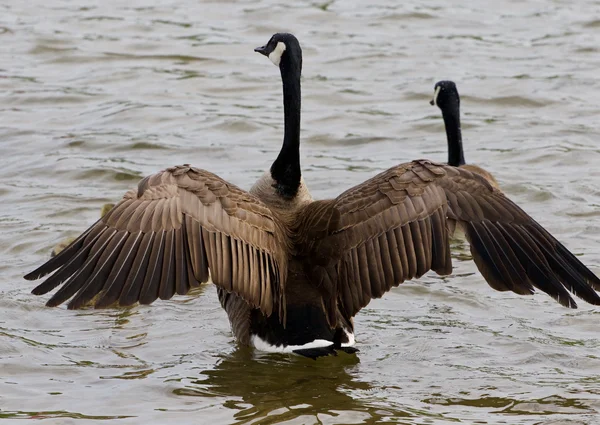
436,94
275,55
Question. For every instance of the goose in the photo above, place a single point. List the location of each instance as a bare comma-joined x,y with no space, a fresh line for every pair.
292,272
445,96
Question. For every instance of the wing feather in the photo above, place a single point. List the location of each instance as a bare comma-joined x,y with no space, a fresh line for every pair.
152,279
135,278
394,255
182,284
73,253
78,279
108,289
167,279
386,262
409,246
68,265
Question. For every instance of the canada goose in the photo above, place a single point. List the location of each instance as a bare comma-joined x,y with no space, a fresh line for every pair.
445,96
67,241
292,272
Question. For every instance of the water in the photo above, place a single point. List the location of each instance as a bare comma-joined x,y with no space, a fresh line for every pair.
95,95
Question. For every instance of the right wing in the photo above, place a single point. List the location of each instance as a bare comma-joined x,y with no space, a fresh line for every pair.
395,227
165,238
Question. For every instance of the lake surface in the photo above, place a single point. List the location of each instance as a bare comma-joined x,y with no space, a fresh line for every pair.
96,95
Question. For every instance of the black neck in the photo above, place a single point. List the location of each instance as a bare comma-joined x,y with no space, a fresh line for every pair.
286,168
453,133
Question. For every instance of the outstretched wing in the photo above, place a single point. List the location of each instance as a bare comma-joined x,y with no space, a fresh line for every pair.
164,239
395,227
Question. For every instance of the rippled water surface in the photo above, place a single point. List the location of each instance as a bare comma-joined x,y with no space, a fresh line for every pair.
95,95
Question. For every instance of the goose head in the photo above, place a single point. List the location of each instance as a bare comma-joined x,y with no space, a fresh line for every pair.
283,49
445,95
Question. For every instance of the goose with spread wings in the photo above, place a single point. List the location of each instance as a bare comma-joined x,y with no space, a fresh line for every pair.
291,272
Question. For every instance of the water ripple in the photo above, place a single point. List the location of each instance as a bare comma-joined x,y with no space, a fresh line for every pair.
93,98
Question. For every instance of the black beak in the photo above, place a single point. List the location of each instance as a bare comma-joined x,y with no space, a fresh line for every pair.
262,50
431,102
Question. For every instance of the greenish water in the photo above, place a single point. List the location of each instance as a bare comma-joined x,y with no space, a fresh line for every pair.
96,95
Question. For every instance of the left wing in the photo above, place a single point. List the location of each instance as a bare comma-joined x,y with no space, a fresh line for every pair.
167,236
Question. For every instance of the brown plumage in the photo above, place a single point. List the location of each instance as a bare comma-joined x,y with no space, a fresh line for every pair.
482,172
165,237
393,228
290,270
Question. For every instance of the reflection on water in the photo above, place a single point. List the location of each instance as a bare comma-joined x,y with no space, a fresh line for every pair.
546,405
270,389
283,388
54,415
95,96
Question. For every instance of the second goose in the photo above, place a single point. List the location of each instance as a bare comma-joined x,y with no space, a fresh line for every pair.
445,96
292,272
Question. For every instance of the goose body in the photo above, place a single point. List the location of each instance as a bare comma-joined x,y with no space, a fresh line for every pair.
446,97
292,272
